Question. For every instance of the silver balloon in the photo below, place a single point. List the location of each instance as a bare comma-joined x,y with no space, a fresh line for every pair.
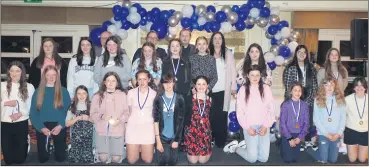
267,5
200,10
250,21
274,19
126,3
283,42
267,35
226,9
275,50
173,21
178,15
210,16
294,36
262,22
232,17
169,37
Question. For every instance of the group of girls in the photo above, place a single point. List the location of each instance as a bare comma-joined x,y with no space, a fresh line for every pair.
162,101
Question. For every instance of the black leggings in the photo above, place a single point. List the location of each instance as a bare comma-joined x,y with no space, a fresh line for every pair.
169,156
218,119
309,135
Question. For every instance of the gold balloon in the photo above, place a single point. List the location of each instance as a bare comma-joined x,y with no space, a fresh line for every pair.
294,36
274,19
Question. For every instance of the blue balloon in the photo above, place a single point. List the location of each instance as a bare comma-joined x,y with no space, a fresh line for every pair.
126,25
284,51
264,12
220,16
159,28
273,29
155,11
215,26
137,5
135,26
117,17
232,116
210,8
172,11
143,21
240,25
124,12
274,41
194,17
235,8
95,35
195,25
194,8
116,9
106,24
186,22
164,15
282,24
272,65
142,12
251,4
200,28
149,16
233,126
259,4
207,26
245,6
242,14
250,26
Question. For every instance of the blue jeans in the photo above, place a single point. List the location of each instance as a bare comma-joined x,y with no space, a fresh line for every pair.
257,147
327,151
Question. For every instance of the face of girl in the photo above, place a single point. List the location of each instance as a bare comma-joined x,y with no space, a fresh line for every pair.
201,86
202,45
301,55
112,47
296,92
333,56
86,47
143,80
15,73
359,88
217,40
148,51
329,88
175,48
111,82
254,54
51,77
81,95
168,87
254,77
48,47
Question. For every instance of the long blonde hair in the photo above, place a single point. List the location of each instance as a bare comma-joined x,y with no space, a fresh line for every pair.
321,95
58,97
328,66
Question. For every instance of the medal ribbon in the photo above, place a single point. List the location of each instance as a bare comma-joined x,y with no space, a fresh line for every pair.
362,114
201,112
170,104
298,111
175,70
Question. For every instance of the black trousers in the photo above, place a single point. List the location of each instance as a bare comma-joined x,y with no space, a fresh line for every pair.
218,119
289,154
309,135
14,142
188,112
59,144
169,156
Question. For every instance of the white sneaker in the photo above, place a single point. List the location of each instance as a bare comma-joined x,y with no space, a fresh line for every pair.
309,144
230,147
242,144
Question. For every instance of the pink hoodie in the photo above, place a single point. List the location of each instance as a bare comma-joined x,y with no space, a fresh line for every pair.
256,111
114,105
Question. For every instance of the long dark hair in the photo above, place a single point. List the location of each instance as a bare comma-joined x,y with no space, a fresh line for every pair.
180,44
294,84
102,88
73,107
118,58
167,78
307,65
248,83
247,62
23,91
41,57
328,65
201,77
142,64
223,46
79,54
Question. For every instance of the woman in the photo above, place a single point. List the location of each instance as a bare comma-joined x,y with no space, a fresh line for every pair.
153,38
356,131
301,70
81,68
140,125
224,89
255,114
49,107
114,60
169,111
333,68
48,56
148,61
109,112
16,96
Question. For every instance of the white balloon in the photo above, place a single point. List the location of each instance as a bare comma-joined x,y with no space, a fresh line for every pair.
113,20
187,11
113,29
133,10
293,45
143,28
172,30
279,60
275,10
278,36
285,32
118,24
122,34
148,26
201,20
226,27
269,57
254,12
135,18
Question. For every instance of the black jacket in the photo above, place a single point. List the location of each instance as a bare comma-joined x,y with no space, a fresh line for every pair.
183,88
35,74
179,113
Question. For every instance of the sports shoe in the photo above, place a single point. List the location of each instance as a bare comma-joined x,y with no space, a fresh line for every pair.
231,147
309,144
242,144
302,149
315,148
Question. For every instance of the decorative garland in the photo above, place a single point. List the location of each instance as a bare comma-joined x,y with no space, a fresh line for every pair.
228,19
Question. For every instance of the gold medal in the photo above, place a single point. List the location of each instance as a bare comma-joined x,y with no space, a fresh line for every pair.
297,125
329,119
361,122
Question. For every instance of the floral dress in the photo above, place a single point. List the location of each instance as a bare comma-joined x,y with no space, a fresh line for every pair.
198,133
81,140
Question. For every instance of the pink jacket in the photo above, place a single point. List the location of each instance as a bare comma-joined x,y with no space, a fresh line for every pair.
114,105
230,79
256,111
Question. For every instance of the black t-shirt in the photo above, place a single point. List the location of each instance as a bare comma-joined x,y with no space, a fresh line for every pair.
182,86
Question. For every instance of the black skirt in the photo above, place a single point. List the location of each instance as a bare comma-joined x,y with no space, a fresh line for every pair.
352,137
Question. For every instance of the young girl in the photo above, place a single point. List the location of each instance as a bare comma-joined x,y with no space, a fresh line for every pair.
109,112
202,64
16,96
255,114
198,131
81,68
148,61
169,111
78,118
356,131
294,123
49,107
140,125
329,119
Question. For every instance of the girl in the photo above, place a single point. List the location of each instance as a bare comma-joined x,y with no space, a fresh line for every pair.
224,89
109,112
49,107
140,126
356,131
78,118
301,70
255,114
333,68
148,61
169,110
153,38
329,119
48,56
16,96
202,64
81,68
294,123
114,60
198,130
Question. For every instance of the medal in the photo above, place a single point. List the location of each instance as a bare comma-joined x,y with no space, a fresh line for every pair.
176,79
358,111
201,111
175,70
361,122
329,119
138,100
296,114
297,125
170,104
329,112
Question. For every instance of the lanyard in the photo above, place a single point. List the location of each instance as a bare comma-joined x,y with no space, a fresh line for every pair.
138,99
329,112
362,114
201,111
175,70
170,104
298,111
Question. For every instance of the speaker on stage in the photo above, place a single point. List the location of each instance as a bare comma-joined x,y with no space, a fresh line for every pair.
359,39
